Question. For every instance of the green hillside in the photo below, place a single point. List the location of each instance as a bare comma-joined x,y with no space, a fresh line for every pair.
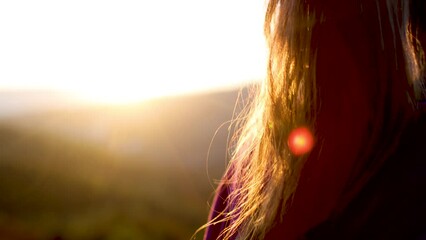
54,188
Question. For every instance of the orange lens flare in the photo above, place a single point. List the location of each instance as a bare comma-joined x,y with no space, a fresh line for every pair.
300,141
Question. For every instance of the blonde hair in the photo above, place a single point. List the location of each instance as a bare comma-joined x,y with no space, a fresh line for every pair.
263,174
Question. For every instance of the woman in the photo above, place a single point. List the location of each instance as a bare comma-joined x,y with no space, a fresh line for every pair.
350,73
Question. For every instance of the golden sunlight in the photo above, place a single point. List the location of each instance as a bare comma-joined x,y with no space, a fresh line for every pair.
117,96
125,93
128,51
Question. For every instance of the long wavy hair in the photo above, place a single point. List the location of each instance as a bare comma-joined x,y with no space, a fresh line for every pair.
263,173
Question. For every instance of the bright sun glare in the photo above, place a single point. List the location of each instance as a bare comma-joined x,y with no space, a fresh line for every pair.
127,51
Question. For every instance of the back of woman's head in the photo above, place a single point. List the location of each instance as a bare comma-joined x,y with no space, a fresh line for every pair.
351,72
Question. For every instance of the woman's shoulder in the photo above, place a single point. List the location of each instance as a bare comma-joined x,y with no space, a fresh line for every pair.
393,204
218,212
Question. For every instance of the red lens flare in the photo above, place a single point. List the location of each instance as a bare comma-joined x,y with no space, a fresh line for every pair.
300,141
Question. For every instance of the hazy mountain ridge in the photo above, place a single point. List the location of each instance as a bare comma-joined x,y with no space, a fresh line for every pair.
175,123
136,171
23,102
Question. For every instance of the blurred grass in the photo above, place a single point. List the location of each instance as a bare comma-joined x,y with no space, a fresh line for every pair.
57,188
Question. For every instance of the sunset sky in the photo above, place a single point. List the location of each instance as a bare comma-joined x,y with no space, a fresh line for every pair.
127,51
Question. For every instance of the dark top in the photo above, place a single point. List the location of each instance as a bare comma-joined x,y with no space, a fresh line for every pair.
391,205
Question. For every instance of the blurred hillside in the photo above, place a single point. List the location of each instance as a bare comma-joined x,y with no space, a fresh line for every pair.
134,172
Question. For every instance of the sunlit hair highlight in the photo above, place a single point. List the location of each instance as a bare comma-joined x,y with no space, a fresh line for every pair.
262,163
